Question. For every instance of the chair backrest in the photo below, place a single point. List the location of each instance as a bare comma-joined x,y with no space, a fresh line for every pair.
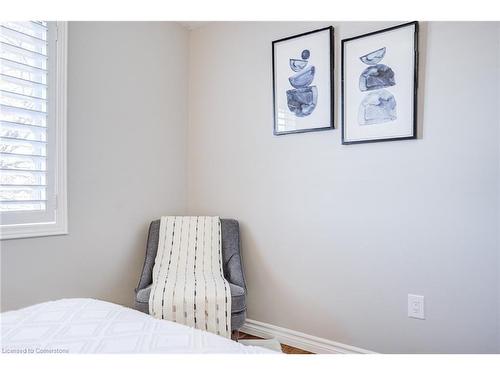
231,258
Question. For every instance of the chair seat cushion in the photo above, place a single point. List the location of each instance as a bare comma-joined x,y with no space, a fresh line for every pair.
237,297
143,294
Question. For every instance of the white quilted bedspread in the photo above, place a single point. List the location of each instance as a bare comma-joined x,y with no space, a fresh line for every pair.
81,325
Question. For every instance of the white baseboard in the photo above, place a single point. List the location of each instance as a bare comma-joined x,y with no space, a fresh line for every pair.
299,340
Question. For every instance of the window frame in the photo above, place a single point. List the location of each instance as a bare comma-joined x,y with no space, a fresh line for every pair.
59,225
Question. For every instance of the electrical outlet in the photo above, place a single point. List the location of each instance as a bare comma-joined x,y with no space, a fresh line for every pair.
416,306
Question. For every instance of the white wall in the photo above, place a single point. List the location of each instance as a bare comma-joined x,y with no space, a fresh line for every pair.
127,115
335,237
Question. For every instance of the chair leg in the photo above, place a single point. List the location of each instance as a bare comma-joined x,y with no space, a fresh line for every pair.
235,335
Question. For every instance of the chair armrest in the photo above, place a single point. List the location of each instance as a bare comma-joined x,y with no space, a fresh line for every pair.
234,271
149,260
233,267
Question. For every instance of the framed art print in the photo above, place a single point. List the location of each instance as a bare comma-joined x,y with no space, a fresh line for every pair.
303,82
379,85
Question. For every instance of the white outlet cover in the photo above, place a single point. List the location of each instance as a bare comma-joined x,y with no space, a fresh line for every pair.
416,306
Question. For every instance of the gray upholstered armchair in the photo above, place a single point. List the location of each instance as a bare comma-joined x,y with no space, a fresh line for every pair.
233,270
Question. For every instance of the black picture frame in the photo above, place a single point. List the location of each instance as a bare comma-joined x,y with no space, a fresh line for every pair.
415,83
331,82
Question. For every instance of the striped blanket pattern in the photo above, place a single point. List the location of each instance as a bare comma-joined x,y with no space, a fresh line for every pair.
188,279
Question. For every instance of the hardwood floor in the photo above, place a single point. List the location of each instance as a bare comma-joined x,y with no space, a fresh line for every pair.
285,348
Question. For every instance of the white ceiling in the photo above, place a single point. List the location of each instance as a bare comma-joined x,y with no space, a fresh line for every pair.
190,25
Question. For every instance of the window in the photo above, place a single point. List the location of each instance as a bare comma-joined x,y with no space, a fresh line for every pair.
33,129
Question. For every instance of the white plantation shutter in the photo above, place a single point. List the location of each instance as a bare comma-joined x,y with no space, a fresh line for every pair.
32,128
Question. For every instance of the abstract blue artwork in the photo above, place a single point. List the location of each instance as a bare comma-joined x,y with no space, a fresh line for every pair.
302,101
302,78
379,85
379,105
303,98
376,77
297,65
303,82
374,57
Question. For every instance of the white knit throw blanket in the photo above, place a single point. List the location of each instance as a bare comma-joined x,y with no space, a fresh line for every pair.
188,280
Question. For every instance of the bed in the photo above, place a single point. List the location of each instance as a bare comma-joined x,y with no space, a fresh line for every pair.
82,325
